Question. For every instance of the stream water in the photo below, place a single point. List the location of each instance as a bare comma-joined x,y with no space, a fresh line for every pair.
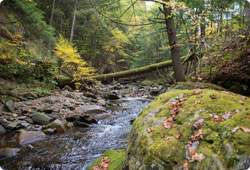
79,147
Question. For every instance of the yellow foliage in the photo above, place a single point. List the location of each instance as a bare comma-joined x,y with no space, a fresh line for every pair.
70,59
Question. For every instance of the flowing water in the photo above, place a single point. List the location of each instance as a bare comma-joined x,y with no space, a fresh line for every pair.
79,147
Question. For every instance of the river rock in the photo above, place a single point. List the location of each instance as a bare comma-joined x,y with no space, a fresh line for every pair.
9,152
72,118
11,125
88,119
109,95
175,138
41,118
58,125
25,137
90,109
2,130
80,124
9,105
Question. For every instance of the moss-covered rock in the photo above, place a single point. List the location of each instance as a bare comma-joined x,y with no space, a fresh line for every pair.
117,159
219,115
193,85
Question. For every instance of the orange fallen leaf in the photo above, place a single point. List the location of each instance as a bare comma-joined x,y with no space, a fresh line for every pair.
168,139
185,165
213,96
192,153
246,130
149,130
178,135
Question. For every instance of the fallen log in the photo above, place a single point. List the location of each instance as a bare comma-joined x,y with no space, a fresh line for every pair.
137,71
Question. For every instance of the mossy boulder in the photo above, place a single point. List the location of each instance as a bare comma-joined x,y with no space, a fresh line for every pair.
194,85
117,159
209,131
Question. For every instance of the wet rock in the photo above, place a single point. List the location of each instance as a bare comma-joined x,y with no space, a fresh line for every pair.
49,131
9,152
57,125
25,124
88,119
90,109
25,137
2,130
80,124
109,95
9,105
72,118
41,118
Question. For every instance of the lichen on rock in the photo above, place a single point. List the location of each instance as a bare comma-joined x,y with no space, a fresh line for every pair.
206,132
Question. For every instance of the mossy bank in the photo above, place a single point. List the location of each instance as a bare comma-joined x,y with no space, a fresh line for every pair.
208,131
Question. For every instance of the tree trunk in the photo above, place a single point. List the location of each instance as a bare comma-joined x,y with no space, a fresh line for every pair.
73,23
247,11
50,22
202,25
175,54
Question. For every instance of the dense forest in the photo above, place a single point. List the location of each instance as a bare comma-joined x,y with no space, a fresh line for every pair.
136,48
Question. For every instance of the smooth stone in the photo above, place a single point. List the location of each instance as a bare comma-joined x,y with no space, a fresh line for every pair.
88,119
40,118
9,152
25,137
58,125
90,109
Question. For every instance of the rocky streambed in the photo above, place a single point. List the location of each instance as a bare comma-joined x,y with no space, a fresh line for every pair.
68,129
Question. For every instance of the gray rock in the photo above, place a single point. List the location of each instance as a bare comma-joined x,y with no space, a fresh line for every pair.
90,109
25,137
40,118
80,124
2,130
57,125
9,105
88,119
12,125
8,152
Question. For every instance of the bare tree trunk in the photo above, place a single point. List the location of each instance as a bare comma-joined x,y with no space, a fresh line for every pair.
50,22
247,11
175,54
203,25
73,23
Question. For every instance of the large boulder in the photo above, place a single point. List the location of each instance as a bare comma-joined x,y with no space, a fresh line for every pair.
192,129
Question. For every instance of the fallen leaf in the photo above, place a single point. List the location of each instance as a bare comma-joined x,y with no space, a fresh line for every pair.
185,165
192,153
178,135
198,135
248,116
245,129
197,157
197,92
241,102
149,130
213,96
168,139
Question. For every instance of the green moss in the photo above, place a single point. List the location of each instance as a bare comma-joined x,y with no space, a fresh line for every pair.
153,149
117,158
